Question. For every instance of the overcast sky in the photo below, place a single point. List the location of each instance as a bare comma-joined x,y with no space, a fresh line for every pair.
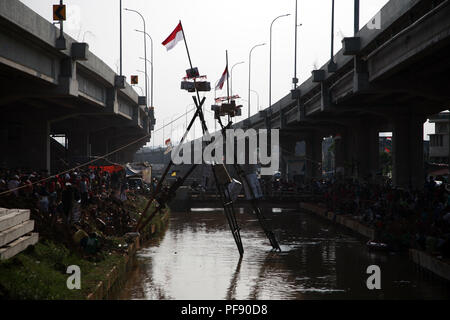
211,27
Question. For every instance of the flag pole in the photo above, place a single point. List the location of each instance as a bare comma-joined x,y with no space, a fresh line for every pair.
185,43
202,119
228,76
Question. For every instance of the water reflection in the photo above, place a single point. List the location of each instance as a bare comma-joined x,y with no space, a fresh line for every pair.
198,259
231,293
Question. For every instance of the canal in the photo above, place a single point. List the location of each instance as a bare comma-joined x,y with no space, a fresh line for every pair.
198,259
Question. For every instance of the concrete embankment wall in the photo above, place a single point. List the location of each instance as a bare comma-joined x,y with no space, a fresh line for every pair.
340,219
430,263
421,258
117,276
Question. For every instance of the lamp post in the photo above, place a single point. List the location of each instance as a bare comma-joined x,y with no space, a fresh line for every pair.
231,82
295,79
151,80
164,126
332,67
356,17
120,32
249,74
146,76
257,96
151,59
171,125
145,54
270,59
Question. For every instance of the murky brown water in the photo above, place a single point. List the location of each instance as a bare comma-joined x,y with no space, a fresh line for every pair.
198,259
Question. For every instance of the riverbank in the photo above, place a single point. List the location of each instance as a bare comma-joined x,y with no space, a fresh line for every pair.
424,260
343,220
117,276
39,273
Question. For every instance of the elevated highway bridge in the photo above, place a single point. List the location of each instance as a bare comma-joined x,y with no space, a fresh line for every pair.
48,90
389,79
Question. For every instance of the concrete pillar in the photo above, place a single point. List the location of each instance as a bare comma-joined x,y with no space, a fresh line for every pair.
366,155
33,149
3,145
287,155
407,153
313,156
79,144
99,143
343,148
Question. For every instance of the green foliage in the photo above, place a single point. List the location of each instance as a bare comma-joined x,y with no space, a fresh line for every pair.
40,273
386,163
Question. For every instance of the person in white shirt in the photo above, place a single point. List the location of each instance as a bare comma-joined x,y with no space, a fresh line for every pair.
13,184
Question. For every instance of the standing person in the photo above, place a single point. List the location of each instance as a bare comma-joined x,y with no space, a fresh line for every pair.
114,180
84,191
13,184
67,201
76,210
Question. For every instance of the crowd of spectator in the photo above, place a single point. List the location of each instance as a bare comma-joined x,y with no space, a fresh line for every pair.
402,218
69,198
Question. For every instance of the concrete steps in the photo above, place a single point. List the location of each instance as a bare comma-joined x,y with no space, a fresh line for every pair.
12,218
15,232
18,246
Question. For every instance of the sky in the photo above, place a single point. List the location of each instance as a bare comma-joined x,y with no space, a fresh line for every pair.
211,27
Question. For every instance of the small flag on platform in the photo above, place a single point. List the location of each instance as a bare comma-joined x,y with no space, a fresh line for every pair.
168,143
222,79
174,37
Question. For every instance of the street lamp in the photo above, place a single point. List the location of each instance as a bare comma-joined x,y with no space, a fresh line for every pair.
257,96
249,73
231,82
141,71
270,59
332,67
151,58
151,80
356,17
145,54
295,79
120,33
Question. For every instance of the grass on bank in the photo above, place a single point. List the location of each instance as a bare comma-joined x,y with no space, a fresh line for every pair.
39,273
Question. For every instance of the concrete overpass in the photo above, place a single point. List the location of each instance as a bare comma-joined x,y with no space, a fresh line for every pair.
387,80
47,89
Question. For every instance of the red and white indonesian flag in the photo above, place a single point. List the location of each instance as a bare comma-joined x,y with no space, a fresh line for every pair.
222,79
174,38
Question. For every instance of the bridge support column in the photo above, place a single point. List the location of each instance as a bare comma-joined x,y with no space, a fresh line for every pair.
313,156
407,155
343,150
366,155
79,145
36,140
31,145
287,155
100,144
